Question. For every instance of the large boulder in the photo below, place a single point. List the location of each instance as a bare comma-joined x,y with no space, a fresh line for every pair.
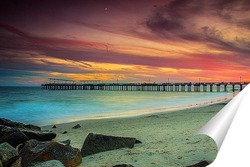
8,154
38,151
95,143
13,124
15,136
12,135
39,135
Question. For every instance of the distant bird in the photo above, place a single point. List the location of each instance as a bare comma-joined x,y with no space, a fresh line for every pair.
108,47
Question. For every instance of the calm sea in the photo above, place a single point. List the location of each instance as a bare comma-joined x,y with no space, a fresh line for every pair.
43,107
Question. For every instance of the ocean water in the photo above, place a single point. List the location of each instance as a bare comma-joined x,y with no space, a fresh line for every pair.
44,107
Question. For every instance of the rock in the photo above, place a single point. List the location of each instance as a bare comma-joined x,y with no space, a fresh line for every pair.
54,163
64,132
66,142
137,141
179,157
12,135
1,165
37,151
32,127
200,164
95,143
76,127
123,165
15,136
8,154
38,135
54,126
13,124
10,123
17,163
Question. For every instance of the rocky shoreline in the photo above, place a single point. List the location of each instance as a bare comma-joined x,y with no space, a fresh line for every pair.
24,145
27,145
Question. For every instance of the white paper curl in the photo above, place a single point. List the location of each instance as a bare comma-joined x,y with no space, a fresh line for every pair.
230,129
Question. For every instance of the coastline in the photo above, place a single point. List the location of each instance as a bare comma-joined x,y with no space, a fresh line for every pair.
142,112
168,138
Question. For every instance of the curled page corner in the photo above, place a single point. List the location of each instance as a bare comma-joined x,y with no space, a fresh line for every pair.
230,130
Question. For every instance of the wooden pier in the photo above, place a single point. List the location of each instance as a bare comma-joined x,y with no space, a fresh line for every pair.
61,84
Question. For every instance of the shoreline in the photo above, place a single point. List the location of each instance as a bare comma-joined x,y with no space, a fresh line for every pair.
168,138
142,112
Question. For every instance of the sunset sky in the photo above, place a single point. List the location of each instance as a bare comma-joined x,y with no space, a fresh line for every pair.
124,40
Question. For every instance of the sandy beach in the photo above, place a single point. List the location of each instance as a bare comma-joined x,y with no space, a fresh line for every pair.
168,139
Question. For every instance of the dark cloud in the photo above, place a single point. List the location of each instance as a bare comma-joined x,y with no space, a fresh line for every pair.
244,23
13,30
216,38
175,21
159,23
27,64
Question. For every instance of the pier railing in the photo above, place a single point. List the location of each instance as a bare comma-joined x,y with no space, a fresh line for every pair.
58,84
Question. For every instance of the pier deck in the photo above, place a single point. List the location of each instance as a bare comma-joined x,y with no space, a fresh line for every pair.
60,84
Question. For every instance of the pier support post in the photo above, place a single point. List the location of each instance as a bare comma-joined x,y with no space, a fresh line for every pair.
204,87
211,88
218,87
197,87
241,87
183,87
225,88
171,88
189,87
177,87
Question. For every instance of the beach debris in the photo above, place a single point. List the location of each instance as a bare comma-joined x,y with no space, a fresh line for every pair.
37,151
194,139
76,126
95,143
54,126
179,157
137,141
54,163
13,124
12,135
200,164
123,165
8,154
66,142
64,132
